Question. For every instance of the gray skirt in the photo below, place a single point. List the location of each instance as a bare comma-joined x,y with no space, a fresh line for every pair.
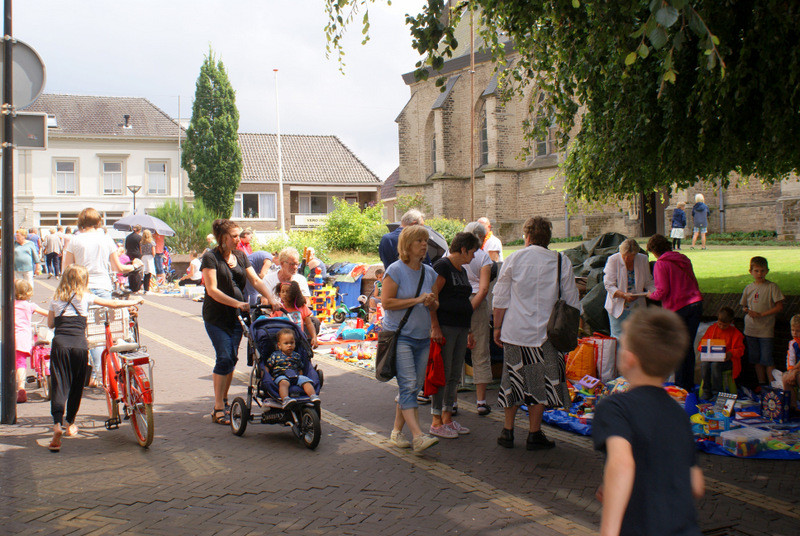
533,375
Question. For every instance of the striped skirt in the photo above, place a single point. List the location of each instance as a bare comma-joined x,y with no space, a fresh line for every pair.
533,375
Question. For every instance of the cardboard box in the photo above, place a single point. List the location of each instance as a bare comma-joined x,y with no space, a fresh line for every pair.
712,350
775,404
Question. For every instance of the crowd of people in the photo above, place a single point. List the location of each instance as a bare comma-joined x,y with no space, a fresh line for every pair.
463,301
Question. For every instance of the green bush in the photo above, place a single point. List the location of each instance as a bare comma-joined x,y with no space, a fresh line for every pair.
297,240
350,228
405,203
446,227
191,224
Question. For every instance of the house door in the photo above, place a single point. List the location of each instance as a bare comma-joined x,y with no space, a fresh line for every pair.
652,214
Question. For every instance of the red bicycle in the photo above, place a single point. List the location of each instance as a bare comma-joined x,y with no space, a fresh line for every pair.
40,359
127,374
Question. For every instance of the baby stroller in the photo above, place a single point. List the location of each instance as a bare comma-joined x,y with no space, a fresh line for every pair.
303,415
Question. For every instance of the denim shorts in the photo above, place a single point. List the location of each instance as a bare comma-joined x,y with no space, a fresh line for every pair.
300,379
699,230
226,347
759,351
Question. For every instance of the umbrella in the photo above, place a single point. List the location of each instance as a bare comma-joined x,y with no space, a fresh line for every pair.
146,222
437,245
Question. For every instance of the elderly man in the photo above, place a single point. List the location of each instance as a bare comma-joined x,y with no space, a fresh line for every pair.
479,272
491,243
388,246
52,252
288,260
261,262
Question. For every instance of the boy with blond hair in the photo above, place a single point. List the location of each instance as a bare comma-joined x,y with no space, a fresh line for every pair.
762,300
792,374
651,470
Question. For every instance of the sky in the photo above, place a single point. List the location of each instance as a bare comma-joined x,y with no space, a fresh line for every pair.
154,49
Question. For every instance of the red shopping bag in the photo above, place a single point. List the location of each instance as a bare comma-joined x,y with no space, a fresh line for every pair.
434,375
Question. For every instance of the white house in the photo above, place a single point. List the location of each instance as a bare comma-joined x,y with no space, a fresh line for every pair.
98,147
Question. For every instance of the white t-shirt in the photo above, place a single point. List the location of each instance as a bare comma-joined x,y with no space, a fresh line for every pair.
493,244
480,260
198,275
82,305
271,280
91,249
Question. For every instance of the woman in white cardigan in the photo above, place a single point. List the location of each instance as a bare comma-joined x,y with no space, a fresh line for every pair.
627,279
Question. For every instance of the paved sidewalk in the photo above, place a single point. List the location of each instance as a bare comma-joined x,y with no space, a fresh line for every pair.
197,478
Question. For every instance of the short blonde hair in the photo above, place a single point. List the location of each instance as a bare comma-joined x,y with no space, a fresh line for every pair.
22,290
287,254
698,198
795,320
408,236
682,205
629,245
658,338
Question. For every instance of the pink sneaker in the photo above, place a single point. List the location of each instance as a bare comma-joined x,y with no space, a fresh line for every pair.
460,430
443,431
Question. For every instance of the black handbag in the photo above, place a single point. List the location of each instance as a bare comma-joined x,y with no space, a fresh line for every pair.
562,328
386,354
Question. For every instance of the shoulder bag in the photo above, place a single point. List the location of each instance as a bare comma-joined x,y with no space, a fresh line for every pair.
562,328
386,354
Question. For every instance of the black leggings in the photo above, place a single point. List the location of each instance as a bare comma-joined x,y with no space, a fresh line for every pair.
676,243
146,283
68,374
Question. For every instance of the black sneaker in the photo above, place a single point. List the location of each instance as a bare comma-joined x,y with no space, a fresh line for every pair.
538,441
422,399
484,409
506,439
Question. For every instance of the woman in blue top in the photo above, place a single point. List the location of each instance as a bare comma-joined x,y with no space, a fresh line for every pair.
400,284
25,257
700,217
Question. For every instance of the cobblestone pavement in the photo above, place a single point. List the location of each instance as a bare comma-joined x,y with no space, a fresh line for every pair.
198,478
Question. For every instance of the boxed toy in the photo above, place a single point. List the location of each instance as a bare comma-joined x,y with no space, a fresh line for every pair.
745,441
775,404
712,350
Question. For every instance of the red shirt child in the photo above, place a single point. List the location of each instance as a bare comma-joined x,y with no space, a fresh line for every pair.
723,329
293,306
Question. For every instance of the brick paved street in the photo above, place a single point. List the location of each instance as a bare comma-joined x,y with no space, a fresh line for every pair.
198,478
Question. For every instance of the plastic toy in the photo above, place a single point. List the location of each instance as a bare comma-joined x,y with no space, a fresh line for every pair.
343,311
775,404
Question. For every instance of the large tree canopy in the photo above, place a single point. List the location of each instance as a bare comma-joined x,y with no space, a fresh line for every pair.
211,156
666,92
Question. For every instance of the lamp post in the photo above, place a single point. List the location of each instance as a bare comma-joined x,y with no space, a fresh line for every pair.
133,189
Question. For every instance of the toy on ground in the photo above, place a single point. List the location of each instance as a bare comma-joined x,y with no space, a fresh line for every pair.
775,404
343,311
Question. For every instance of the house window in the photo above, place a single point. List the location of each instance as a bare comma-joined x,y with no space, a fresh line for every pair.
65,178
157,178
255,206
484,139
433,153
313,203
112,178
547,145
54,219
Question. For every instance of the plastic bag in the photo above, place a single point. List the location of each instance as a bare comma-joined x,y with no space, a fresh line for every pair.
581,361
434,375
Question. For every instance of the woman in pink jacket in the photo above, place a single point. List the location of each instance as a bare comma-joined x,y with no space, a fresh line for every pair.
678,291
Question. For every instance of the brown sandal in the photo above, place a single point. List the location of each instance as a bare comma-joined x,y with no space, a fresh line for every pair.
220,417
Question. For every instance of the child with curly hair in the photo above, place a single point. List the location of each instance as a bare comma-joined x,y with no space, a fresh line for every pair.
293,306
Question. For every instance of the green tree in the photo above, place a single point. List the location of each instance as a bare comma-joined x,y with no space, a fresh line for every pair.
417,201
665,92
191,224
211,154
348,227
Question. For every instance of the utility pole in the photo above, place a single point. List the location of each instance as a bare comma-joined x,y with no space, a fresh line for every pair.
472,115
8,390
280,158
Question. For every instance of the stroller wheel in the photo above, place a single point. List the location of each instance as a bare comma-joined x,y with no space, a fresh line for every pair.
310,428
240,415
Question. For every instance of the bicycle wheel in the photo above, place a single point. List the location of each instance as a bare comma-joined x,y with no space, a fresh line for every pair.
141,411
310,428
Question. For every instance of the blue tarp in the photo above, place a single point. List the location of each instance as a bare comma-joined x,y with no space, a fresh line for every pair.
348,292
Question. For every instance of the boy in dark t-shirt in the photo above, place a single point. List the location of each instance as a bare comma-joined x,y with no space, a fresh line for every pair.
651,468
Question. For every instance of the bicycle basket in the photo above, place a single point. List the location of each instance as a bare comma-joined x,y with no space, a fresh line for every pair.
119,322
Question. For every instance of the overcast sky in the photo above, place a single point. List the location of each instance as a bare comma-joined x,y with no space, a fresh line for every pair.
154,49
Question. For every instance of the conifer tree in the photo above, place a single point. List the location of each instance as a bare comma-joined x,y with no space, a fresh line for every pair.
211,154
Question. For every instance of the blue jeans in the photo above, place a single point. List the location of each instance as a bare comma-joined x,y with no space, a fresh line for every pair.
300,379
616,323
96,354
412,360
759,351
226,346
159,261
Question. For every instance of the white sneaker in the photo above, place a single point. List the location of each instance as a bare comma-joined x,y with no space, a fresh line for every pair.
423,442
286,401
462,430
399,440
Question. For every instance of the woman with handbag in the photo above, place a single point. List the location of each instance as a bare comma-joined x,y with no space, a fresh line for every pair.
534,372
451,329
408,301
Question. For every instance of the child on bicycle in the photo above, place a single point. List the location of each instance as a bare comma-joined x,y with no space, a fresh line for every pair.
293,306
70,349
23,335
286,365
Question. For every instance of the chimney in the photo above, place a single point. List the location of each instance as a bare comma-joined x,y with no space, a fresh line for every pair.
127,121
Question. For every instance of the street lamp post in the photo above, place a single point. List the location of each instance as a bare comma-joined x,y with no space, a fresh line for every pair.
133,189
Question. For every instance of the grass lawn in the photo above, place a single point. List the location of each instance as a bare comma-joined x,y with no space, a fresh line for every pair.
718,269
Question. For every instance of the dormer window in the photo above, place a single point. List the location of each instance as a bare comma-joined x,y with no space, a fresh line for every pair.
52,122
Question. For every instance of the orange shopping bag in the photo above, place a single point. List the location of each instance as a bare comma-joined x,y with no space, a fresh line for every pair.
581,361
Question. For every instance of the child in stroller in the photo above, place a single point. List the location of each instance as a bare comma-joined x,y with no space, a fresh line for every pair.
286,366
299,405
